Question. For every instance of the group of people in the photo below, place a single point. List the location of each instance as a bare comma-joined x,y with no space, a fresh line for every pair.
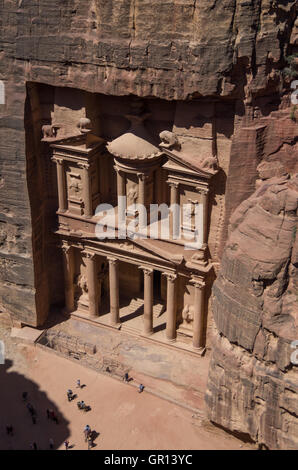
51,415
127,379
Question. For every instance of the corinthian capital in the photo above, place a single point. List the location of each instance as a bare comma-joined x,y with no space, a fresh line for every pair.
171,277
57,160
84,165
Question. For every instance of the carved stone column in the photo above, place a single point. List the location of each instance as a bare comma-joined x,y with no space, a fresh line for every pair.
174,216
121,182
142,198
61,183
198,321
87,191
69,272
171,307
148,301
114,290
92,281
204,197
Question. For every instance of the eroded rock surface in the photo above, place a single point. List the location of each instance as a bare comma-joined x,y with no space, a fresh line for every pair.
253,382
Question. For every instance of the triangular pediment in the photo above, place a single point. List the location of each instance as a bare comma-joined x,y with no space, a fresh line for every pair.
154,250
184,161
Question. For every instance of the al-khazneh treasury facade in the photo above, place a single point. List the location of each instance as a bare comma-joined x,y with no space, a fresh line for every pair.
151,287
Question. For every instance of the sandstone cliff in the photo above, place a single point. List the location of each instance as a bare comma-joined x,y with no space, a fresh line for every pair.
253,383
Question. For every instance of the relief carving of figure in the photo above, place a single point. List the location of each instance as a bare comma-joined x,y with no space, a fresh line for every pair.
84,125
132,195
169,140
188,315
75,186
210,163
49,131
82,286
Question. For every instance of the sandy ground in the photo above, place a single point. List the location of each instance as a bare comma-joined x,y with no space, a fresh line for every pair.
123,418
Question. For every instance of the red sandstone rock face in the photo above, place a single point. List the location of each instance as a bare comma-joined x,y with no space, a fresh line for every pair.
253,385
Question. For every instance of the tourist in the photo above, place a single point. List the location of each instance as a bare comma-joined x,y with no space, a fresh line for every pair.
90,442
141,388
51,443
87,431
69,395
78,383
33,446
66,444
125,378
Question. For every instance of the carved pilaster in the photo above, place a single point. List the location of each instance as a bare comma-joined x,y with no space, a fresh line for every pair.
61,183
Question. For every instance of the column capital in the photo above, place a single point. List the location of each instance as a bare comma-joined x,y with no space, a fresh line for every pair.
173,184
198,283
118,170
66,247
142,176
171,277
112,261
148,271
84,165
203,191
88,255
57,160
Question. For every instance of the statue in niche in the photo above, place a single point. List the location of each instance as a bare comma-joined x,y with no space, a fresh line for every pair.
132,195
82,286
75,186
187,316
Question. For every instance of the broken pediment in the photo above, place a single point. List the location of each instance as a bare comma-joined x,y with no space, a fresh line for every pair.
185,153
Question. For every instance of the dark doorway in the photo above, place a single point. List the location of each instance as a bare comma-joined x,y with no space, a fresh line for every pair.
157,285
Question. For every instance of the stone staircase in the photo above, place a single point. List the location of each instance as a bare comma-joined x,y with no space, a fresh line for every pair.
136,306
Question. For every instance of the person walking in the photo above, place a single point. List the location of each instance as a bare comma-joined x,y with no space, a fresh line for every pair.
90,442
66,445
51,443
33,446
126,378
87,431
78,383
69,395
141,388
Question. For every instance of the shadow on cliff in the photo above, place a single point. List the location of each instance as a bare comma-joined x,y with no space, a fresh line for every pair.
14,412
